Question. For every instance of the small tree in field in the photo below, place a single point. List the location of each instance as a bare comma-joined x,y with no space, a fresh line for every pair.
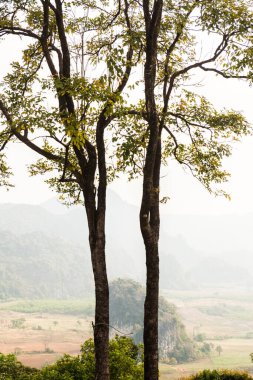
219,349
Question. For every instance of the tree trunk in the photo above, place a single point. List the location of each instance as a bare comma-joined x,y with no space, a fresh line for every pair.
150,231
101,327
150,336
96,222
149,213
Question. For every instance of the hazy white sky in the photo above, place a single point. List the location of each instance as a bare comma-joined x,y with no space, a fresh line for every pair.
186,194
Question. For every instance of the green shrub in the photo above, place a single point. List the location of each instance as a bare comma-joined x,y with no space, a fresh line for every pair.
66,368
222,374
200,337
12,369
17,323
125,357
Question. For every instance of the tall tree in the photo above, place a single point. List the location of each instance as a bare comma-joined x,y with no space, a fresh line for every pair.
231,20
58,100
173,121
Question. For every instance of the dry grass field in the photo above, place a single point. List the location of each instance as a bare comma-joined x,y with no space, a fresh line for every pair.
40,338
225,317
39,332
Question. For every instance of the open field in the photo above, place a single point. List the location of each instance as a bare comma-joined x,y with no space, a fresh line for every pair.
40,337
41,331
225,317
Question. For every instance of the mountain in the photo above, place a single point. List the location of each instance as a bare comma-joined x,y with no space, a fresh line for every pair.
216,272
33,265
226,236
46,253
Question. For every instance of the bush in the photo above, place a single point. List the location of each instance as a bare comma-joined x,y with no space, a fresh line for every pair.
185,353
11,369
222,374
200,337
206,348
125,357
66,368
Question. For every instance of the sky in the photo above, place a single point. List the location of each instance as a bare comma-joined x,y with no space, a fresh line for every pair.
187,196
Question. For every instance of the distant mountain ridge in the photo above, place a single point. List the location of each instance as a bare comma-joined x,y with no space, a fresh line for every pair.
45,253
35,265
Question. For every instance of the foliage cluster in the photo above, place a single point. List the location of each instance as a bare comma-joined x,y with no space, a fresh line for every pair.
222,374
11,369
100,83
126,363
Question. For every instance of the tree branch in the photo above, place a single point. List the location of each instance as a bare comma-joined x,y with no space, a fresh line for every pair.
220,49
18,31
224,75
129,55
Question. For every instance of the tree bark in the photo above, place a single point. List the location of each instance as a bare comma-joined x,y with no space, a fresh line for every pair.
150,336
101,327
149,213
96,218
150,232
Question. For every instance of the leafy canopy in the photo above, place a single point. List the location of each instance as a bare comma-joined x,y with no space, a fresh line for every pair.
69,83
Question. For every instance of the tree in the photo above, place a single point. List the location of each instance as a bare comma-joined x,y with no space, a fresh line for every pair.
173,121
219,349
58,102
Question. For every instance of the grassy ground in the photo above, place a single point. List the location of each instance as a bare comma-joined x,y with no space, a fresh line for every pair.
226,319
72,307
41,331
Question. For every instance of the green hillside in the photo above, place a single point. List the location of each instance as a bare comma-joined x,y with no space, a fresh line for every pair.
126,316
35,265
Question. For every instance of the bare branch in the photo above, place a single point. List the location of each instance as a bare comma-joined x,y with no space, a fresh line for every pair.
18,31
224,75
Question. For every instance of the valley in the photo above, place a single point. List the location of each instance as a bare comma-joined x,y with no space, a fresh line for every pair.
40,331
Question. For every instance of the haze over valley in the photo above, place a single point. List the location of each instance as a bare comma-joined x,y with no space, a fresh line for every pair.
41,250
47,288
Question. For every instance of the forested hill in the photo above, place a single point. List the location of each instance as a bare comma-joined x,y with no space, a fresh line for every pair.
35,265
126,314
46,254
